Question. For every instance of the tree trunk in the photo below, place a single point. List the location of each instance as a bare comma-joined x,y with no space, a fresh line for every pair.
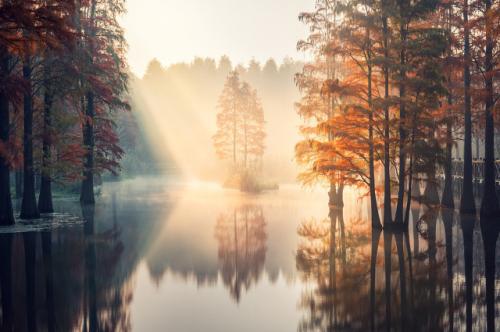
410,191
340,195
388,272
19,183
87,192
332,199
447,197
45,198
387,173
467,204
489,206
402,116
29,208
246,144
6,211
373,196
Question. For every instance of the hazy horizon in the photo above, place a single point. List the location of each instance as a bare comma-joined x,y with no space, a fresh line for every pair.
167,36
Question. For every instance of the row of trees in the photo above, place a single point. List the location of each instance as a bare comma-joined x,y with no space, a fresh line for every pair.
240,125
390,87
62,76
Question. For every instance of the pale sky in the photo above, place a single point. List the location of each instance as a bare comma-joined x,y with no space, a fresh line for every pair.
175,31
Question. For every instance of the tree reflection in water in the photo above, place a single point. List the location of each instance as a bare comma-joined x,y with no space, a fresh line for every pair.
444,284
241,237
65,280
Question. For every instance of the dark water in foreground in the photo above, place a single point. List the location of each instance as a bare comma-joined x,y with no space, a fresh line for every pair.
155,255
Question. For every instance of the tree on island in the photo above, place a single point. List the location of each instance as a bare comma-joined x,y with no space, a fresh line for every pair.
240,132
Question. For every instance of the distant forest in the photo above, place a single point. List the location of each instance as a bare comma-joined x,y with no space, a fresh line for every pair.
186,94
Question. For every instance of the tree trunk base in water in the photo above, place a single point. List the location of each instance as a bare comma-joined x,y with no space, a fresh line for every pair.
30,214
467,205
376,225
490,208
431,196
45,200
29,208
6,211
447,198
395,227
87,193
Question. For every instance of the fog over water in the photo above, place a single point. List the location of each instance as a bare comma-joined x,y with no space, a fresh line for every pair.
177,107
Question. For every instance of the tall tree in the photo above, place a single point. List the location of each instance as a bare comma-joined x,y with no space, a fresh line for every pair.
29,208
6,211
103,83
240,125
226,138
318,104
25,27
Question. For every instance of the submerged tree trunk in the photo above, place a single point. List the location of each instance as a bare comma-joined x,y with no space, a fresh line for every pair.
88,212
489,206
467,204
30,262
402,279
87,192
45,197
373,273
388,272
447,217
49,280
6,241
6,211
29,208
467,225
489,233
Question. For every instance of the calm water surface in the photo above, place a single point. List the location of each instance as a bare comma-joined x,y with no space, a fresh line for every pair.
159,255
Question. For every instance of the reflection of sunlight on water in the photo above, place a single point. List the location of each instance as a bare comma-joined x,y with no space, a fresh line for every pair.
178,304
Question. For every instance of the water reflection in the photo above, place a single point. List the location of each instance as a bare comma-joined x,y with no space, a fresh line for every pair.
241,237
322,260
433,288
169,258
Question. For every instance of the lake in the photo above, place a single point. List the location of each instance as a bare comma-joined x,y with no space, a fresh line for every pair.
156,254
